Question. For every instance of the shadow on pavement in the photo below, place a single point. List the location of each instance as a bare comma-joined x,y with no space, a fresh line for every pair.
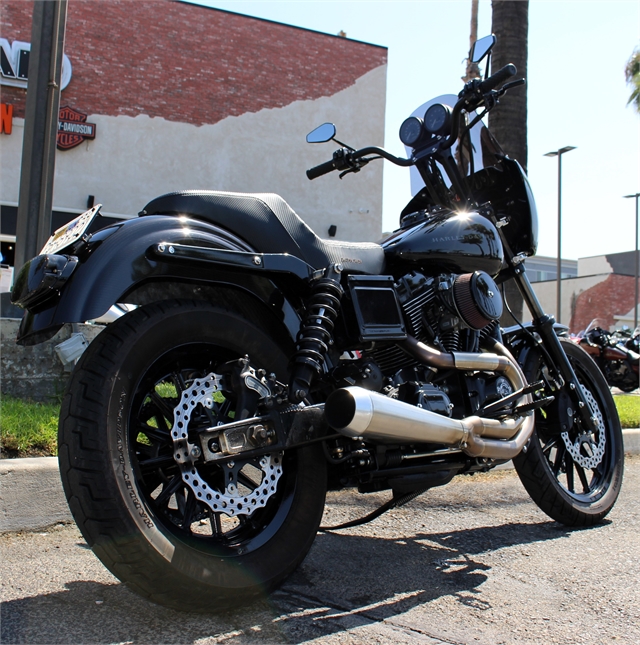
347,580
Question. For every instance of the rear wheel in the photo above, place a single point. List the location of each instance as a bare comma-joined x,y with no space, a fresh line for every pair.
196,540
573,475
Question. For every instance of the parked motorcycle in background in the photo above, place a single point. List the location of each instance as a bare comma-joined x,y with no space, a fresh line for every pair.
616,353
263,365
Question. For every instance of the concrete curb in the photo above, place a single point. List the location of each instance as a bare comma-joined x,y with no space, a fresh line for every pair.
31,494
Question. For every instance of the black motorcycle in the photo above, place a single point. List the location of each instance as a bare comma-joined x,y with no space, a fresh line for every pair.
616,354
263,365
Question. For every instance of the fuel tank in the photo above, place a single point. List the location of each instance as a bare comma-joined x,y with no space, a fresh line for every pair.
458,243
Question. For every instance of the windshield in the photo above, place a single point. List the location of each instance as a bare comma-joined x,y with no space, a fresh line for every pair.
478,150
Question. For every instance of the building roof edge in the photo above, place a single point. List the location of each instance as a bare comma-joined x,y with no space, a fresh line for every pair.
276,22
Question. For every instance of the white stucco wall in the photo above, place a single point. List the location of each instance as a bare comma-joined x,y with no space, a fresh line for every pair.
594,265
133,160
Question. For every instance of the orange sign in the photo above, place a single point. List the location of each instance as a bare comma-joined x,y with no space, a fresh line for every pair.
6,118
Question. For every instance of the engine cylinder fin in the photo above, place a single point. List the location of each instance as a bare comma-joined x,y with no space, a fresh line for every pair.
414,308
488,330
450,340
391,359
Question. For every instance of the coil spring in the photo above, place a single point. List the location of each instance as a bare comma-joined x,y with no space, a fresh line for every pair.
316,332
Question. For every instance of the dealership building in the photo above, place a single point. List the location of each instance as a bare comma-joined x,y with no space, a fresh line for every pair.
161,95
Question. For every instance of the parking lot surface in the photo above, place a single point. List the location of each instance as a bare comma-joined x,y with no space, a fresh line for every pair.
474,562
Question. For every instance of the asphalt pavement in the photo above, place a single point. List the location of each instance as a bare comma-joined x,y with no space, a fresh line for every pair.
473,562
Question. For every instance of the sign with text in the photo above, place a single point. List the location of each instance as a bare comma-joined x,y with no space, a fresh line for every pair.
14,64
6,118
73,128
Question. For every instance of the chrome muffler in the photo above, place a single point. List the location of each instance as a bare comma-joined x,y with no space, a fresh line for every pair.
356,412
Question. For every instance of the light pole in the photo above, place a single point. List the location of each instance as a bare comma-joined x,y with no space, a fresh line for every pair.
635,302
559,153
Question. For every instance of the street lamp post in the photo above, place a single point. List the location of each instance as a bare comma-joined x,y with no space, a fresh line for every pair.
635,302
559,153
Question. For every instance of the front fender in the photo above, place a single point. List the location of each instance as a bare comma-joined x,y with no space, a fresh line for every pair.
521,339
118,265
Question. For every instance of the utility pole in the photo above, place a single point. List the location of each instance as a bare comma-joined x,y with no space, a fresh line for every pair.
559,153
40,128
473,71
636,262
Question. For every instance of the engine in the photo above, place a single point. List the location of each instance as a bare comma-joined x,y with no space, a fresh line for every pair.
450,312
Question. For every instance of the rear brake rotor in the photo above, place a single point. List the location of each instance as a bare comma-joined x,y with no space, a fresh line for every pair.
229,500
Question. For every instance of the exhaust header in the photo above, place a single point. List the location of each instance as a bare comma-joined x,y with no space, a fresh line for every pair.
356,412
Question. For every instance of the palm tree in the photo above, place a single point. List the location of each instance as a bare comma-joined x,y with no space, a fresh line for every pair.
508,122
632,74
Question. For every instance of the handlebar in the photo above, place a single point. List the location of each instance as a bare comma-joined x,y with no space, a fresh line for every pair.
496,79
352,160
474,94
322,169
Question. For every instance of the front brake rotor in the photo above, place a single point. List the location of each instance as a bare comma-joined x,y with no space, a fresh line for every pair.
584,448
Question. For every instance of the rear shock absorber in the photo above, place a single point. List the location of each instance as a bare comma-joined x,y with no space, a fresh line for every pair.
316,332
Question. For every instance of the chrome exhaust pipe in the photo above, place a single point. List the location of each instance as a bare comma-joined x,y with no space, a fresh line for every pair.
356,412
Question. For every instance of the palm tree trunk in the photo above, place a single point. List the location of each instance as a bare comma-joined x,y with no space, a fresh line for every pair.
508,122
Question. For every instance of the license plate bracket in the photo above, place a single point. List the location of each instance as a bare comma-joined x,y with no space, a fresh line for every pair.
71,232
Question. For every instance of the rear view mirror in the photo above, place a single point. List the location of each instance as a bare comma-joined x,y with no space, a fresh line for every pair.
481,48
322,133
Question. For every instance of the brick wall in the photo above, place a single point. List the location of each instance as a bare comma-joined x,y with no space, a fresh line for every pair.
613,296
189,63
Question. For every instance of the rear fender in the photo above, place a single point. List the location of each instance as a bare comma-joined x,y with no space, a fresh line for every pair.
121,264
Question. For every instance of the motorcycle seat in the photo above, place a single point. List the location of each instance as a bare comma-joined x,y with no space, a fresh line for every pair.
269,225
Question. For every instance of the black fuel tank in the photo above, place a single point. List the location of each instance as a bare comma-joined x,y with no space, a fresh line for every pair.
460,243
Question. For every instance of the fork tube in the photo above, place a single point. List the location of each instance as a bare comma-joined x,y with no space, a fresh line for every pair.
543,324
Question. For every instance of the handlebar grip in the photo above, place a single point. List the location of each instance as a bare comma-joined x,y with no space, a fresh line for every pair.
498,78
322,169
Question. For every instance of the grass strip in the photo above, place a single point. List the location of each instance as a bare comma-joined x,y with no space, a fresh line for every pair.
628,410
28,429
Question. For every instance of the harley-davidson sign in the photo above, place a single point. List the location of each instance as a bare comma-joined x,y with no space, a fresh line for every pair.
73,128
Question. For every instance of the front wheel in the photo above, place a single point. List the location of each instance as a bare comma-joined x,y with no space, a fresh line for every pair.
573,475
204,539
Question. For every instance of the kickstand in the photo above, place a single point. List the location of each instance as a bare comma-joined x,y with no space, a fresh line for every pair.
394,502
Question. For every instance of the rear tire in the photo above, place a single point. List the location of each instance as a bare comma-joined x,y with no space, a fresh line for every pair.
572,488
125,489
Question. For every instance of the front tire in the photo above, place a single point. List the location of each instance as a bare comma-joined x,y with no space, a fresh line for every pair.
574,477
125,489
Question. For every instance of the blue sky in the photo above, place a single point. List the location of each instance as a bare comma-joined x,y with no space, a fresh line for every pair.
577,97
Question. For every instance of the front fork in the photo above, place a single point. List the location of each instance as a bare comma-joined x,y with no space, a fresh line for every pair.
543,324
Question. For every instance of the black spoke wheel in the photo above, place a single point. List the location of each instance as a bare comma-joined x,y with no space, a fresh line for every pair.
125,489
573,475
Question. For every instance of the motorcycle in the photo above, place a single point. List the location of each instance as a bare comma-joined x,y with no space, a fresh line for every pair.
616,354
263,366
